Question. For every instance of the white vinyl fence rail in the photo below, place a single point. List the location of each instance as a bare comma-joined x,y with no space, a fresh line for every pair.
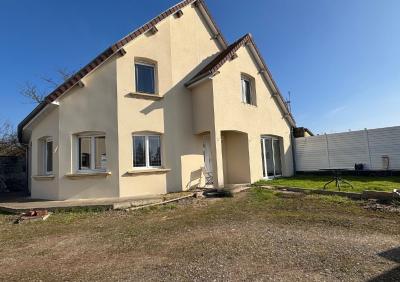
371,147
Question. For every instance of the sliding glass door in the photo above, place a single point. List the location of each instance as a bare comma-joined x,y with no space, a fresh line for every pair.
271,157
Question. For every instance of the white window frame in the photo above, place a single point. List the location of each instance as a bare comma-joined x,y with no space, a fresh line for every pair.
148,64
147,151
250,81
92,153
45,155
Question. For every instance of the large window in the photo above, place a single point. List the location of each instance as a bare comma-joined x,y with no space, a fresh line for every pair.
92,153
146,151
48,156
247,90
145,78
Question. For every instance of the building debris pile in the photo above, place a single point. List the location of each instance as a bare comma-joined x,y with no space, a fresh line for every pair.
33,215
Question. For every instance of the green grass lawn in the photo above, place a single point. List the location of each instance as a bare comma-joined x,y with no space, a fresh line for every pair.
360,183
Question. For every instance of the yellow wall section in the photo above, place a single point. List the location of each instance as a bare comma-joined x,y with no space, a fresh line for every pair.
263,119
178,48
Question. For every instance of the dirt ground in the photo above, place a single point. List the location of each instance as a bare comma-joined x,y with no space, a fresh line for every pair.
257,235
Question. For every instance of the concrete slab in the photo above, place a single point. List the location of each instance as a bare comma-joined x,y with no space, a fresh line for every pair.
25,204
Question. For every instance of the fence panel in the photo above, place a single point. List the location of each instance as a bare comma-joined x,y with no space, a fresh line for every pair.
345,149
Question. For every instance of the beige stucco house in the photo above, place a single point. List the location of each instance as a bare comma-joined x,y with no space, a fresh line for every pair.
169,107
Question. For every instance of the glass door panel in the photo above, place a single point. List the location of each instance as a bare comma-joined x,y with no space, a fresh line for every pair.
277,157
263,156
271,157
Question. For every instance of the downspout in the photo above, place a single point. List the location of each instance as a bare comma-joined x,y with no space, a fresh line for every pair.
293,150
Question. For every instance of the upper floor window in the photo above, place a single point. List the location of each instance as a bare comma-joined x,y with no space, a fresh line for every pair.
145,78
146,151
247,90
48,155
92,152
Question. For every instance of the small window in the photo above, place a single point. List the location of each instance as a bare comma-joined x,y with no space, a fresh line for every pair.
146,151
145,78
48,156
246,90
92,153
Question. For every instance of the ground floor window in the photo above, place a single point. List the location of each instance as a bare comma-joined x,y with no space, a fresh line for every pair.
48,155
271,156
92,153
146,151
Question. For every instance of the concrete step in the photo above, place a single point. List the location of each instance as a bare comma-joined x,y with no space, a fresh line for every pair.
236,188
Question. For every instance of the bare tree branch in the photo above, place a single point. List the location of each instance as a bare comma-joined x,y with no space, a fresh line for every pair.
32,92
64,73
49,81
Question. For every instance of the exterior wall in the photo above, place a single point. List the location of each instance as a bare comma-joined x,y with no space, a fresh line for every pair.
47,126
203,107
88,109
265,118
178,49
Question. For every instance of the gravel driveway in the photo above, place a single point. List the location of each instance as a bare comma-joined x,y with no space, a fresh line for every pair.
256,236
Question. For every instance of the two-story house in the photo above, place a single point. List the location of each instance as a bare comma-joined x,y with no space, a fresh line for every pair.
169,107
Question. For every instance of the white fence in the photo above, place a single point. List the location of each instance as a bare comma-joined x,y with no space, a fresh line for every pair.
343,150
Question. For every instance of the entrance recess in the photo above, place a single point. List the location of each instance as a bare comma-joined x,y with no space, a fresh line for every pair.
271,157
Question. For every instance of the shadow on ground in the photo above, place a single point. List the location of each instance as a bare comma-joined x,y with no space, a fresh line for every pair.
393,274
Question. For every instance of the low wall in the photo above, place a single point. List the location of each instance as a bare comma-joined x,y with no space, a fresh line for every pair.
13,176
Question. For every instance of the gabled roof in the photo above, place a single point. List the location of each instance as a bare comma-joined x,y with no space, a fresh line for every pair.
229,53
116,48
223,56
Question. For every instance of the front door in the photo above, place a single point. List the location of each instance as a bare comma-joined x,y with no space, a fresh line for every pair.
271,157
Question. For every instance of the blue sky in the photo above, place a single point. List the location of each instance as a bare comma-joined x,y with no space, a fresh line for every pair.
339,59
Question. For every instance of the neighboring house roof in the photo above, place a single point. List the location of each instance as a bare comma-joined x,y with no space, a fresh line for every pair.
229,53
109,52
300,132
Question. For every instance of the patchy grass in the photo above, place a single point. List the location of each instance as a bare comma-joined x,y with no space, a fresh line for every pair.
360,183
280,236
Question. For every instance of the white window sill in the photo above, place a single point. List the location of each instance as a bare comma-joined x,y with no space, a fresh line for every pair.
250,105
89,174
149,171
145,96
44,177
